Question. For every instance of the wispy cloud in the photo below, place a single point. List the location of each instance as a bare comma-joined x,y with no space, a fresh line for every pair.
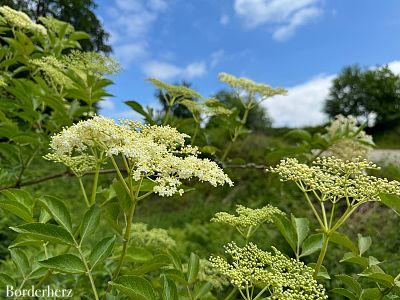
129,22
285,15
224,19
167,71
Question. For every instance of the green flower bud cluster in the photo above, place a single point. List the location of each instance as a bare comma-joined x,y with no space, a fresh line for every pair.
247,217
242,84
333,179
174,91
20,20
79,165
156,152
3,82
153,238
91,61
284,278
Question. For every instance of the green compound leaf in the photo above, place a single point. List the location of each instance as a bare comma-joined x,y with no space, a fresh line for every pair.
66,263
136,287
58,211
101,250
46,232
90,222
193,267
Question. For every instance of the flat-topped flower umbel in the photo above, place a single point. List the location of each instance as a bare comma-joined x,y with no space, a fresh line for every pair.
155,152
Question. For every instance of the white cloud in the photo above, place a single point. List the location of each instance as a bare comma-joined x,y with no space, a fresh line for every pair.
166,71
394,66
303,104
107,104
224,20
128,53
285,15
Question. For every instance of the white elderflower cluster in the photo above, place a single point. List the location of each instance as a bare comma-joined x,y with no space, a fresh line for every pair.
79,165
348,140
285,277
209,107
249,86
20,20
334,179
154,238
247,217
155,152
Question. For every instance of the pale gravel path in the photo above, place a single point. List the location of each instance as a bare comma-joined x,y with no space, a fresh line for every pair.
385,155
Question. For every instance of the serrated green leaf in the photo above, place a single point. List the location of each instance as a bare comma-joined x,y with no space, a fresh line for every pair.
345,293
193,268
46,232
391,201
287,230
370,294
169,291
90,222
343,240
176,261
364,242
21,261
58,211
19,203
202,290
350,257
301,225
381,278
312,244
66,263
351,283
134,286
6,280
101,250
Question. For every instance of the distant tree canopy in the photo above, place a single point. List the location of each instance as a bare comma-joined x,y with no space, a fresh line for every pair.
372,94
258,118
79,13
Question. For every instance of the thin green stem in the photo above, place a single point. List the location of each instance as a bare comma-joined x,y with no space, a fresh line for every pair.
261,292
321,256
332,215
313,208
95,183
83,192
88,272
121,178
196,130
232,293
189,292
324,215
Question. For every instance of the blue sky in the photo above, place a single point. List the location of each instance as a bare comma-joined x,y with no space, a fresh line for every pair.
296,44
